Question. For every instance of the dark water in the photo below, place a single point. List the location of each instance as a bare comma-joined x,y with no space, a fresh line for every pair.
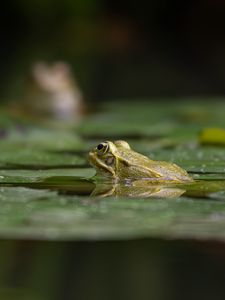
70,185
138,269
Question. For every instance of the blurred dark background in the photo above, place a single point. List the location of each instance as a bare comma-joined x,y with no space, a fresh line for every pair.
109,270
117,49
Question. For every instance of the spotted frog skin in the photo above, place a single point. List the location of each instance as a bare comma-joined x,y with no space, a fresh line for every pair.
117,161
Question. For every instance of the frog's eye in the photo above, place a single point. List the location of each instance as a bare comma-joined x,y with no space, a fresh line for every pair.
102,148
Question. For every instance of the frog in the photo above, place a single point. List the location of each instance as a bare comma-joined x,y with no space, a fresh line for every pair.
116,161
53,94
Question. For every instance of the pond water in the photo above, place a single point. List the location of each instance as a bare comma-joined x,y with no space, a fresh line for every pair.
72,235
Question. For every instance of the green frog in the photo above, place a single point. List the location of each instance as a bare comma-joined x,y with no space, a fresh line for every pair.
118,162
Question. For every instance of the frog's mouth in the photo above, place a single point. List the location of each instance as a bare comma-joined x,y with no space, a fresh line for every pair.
100,166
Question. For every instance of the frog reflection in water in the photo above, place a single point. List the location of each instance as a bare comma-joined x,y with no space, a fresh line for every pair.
133,173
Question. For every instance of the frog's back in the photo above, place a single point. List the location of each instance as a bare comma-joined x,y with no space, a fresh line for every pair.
169,171
143,166
133,157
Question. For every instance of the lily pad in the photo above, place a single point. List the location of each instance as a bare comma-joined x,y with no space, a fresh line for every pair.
194,159
35,214
24,156
28,176
43,139
46,190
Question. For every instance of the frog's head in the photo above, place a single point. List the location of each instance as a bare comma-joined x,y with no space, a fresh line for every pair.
107,158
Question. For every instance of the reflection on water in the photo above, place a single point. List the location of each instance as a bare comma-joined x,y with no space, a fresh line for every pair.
137,189
74,185
146,189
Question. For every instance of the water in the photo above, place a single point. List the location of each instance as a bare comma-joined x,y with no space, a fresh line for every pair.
138,269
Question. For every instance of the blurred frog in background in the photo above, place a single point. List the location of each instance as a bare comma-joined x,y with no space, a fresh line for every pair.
54,93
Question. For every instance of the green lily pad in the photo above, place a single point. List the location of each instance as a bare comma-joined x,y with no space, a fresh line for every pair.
28,176
43,139
46,186
38,214
28,155
195,159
